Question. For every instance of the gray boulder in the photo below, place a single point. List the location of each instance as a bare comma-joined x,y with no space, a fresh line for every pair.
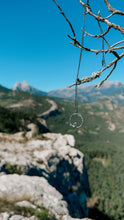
12,216
37,190
52,175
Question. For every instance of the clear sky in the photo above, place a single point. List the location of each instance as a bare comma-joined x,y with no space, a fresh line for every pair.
34,46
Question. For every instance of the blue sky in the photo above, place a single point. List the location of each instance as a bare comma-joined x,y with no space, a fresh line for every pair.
34,45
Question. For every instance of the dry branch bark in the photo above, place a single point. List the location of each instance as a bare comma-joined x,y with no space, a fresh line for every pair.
98,73
114,49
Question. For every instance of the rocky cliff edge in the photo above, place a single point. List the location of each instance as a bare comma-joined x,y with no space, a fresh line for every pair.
47,172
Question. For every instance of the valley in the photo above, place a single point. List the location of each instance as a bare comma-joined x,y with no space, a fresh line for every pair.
100,139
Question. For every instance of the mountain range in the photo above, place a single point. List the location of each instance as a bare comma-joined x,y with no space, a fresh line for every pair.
25,87
100,138
86,93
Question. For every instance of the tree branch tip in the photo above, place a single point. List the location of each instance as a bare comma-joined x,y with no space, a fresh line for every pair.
97,86
114,49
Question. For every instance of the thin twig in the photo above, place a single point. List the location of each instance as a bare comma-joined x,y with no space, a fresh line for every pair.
98,36
111,49
96,74
102,19
61,11
113,10
122,41
99,84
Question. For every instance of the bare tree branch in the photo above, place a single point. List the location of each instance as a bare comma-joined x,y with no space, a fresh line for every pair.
98,85
110,49
98,36
114,14
61,11
113,10
102,19
114,49
98,73
122,41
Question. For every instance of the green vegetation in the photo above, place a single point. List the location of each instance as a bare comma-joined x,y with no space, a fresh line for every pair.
101,139
104,153
39,213
12,121
12,168
27,102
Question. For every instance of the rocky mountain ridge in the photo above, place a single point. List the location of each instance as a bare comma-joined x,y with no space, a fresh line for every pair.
25,87
47,173
89,93
86,93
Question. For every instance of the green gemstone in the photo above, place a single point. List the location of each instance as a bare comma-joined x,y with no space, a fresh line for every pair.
75,124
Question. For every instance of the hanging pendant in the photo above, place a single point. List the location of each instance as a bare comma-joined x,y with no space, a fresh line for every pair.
76,120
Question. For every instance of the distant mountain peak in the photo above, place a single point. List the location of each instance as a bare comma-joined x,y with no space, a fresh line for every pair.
25,87
17,86
24,83
21,86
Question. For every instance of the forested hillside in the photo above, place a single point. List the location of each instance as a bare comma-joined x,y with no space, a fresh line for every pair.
101,139
23,101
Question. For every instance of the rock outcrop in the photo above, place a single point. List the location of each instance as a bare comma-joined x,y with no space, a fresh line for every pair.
47,173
